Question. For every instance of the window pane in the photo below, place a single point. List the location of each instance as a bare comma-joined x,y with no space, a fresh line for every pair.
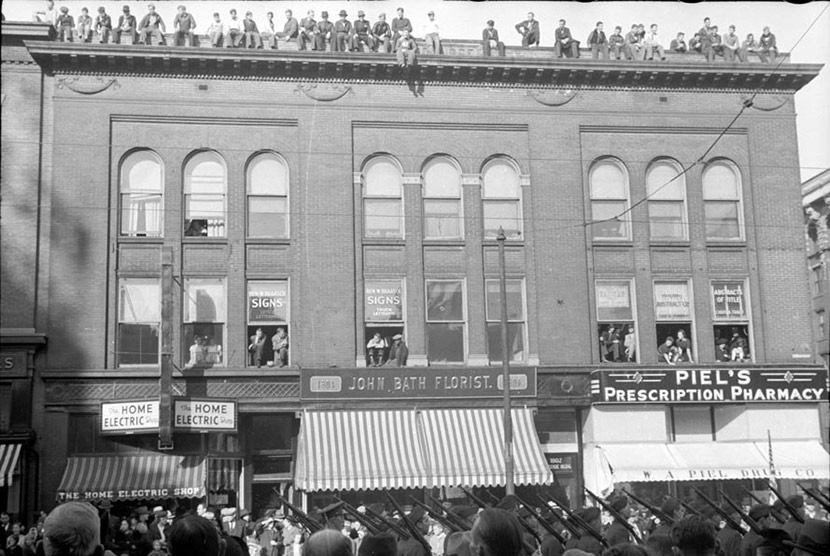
141,214
442,219
502,214
203,344
605,213
268,217
267,175
139,300
608,181
614,300
722,220
204,300
382,178
383,301
205,173
141,172
666,220
501,180
515,341
720,182
445,301
515,306
383,217
671,302
209,207
658,177
138,344
445,343
442,179
267,301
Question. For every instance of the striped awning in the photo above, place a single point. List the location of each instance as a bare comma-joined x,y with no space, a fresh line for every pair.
9,453
359,450
223,474
134,477
465,447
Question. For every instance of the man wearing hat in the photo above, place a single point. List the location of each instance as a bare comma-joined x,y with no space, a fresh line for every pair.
270,538
362,33
793,525
305,36
231,524
398,352
65,24
159,528
617,532
411,546
342,33
333,516
671,508
762,515
399,24
382,34
126,24
323,32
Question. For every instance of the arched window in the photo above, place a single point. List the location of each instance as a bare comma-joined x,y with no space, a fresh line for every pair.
667,201
205,186
443,212
382,198
267,182
142,190
722,201
501,199
609,198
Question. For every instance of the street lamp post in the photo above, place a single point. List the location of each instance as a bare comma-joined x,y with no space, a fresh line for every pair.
505,366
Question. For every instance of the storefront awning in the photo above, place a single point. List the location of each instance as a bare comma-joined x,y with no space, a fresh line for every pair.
465,447
712,461
639,462
9,453
359,450
797,459
135,477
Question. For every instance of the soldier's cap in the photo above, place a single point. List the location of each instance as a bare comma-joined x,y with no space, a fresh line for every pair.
343,13
382,544
760,510
458,544
332,509
619,503
796,501
813,538
669,506
509,502
316,515
360,13
324,14
465,512
416,515
589,514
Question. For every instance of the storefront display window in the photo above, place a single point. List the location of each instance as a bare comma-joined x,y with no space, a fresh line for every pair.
268,323
616,323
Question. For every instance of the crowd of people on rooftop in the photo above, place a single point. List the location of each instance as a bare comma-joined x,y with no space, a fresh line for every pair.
396,36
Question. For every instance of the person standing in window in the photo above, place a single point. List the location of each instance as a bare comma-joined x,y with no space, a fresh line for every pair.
398,353
722,354
630,345
738,346
610,341
280,344
256,346
684,345
197,351
375,347
213,352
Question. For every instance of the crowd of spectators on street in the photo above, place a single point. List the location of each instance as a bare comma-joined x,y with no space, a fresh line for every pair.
396,36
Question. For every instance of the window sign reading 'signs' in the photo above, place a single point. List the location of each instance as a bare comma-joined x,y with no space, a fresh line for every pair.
268,301
383,300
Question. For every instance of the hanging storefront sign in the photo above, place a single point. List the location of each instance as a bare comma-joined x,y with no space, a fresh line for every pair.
129,416
200,415
267,301
383,300
671,301
727,385
413,383
728,301
561,463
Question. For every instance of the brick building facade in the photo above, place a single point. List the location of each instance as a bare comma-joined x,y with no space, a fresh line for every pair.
334,197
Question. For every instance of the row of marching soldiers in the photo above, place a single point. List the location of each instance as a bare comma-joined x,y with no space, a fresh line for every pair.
613,527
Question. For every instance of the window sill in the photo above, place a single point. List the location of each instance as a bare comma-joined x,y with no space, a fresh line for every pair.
383,241
446,242
267,241
141,239
612,243
669,243
725,243
492,242
205,240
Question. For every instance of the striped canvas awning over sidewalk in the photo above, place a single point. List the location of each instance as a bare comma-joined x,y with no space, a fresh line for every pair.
9,454
365,450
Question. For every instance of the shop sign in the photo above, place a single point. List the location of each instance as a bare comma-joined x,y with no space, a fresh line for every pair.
728,301
414,383
383,301
613,301
267,302
671,301
560,462
200,415
163,491
714,474
129,416
13,364
716,385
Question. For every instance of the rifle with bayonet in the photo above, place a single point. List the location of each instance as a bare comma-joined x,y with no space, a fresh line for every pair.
401,531
744,516
543,522
311,524
436,515
818,496
787,506
412,527
581,523
623,521
690,509
757,500
655,511
572,529
725,515
351,510
462,523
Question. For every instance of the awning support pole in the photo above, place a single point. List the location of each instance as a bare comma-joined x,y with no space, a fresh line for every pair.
505,365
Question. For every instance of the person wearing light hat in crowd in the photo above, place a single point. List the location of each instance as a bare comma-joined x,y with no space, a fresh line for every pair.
269,534
617,532
160,526
793,525
231,524
672,508
813,540
398,353
762,515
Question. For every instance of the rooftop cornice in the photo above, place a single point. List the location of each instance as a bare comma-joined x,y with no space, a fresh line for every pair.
272,65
